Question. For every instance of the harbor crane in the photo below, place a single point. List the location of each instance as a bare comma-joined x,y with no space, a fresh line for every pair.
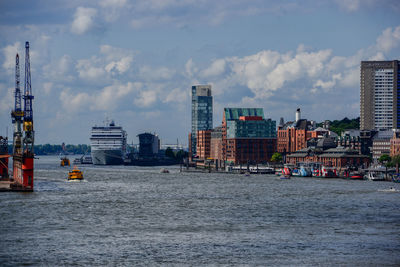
23,137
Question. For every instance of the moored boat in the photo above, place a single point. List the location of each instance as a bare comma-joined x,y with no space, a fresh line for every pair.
375,175
356,176
286,172
108,144
328,172
296,172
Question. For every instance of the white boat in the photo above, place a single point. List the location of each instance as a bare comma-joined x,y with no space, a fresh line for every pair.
376,176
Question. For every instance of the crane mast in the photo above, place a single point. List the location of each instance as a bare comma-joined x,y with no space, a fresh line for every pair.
28,112
17,114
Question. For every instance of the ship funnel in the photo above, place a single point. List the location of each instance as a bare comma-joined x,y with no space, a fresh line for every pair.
298,116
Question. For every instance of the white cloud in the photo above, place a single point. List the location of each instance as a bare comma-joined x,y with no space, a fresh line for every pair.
146,98
153,74
110,62
389,39
121,66
73,103
326,85
107,99
351,78
83,20
113,3
349,5
10,52
7,99
216,68
177,95
190,68
59,70
47,88
89,69
110,96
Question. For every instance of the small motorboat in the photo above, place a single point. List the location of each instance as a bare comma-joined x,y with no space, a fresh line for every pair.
75,174
356,176
164,171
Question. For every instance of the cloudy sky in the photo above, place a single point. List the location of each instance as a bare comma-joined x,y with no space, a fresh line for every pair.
135,61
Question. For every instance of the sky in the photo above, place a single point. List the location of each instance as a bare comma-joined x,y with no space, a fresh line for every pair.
135,61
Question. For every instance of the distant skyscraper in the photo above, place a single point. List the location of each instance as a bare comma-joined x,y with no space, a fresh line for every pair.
202,113
380,95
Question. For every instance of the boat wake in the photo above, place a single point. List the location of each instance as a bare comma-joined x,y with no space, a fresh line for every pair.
390,190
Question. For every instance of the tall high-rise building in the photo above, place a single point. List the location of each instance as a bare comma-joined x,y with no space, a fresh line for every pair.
202,113
380,95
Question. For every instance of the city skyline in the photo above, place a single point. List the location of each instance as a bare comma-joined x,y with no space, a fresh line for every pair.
136,61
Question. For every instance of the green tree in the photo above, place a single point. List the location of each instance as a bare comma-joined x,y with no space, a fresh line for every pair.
276,157
181,154
396,162
169,153
385,159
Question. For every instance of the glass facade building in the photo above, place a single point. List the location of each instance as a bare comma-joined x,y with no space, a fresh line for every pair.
251,129
202,112
248,123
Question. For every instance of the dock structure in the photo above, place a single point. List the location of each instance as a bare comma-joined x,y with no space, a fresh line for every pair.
11,186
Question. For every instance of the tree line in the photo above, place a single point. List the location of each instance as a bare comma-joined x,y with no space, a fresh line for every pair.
339,126
48,149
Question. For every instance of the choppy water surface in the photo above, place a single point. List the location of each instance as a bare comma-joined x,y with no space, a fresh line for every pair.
130,215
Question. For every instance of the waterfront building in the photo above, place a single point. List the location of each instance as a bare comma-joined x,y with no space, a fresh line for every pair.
352,138
293,135
325,151
216,144
379,95
395,143
203,144
149,145
381,144
202,114
247,137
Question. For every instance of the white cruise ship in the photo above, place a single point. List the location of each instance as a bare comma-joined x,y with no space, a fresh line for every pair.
108,144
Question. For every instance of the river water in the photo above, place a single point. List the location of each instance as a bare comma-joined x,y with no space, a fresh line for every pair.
124,215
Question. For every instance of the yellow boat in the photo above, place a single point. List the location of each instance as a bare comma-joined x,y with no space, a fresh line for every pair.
64,162
75,174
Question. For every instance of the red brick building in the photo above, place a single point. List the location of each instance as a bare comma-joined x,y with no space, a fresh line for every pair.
216,144
395,144
330,156
203,144
250,150
247,137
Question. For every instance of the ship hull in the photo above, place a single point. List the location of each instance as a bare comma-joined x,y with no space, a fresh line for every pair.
107,157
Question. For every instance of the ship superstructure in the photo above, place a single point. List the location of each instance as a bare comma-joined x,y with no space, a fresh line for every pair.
108,144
